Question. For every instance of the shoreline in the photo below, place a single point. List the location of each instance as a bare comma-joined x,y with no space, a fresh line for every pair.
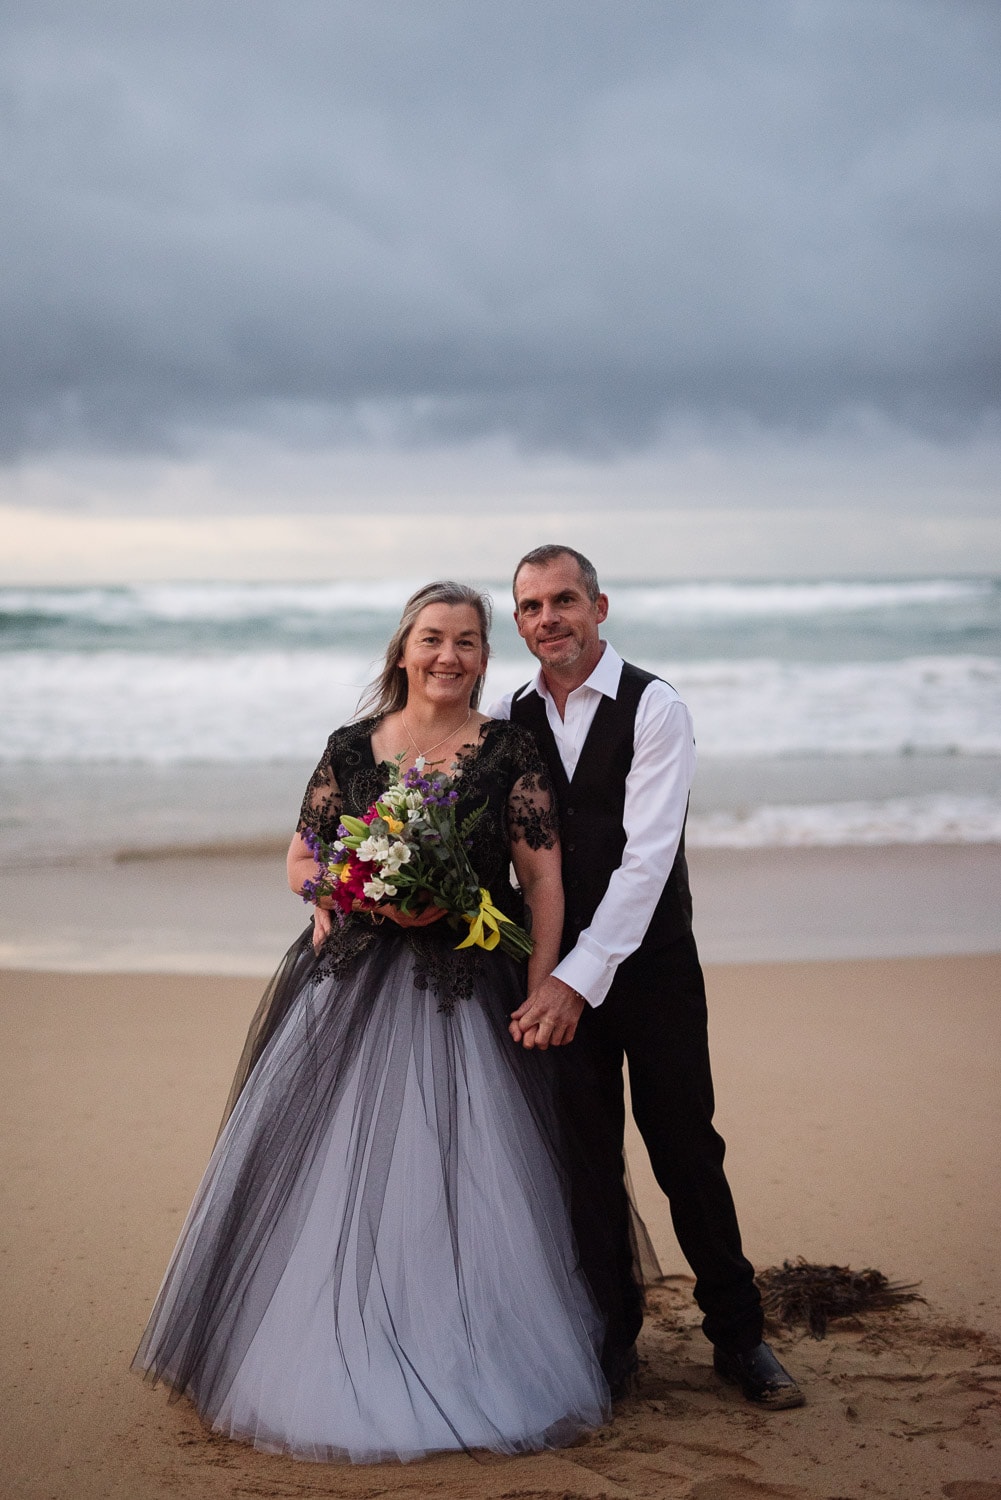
232,913
857,1098
83,809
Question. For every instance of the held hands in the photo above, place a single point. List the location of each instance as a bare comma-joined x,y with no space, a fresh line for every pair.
549,1016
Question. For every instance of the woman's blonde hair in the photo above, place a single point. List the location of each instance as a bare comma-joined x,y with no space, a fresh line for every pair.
389,691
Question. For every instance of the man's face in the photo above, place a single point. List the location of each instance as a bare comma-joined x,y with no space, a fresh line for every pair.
555,618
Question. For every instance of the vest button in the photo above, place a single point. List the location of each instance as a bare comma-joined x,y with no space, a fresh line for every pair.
571,848
568,811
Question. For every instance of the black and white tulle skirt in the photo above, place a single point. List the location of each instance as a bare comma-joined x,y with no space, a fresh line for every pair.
378,1262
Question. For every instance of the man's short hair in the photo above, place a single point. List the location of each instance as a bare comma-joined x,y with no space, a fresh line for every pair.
539,557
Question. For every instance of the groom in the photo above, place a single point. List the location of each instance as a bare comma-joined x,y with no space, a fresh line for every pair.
620,751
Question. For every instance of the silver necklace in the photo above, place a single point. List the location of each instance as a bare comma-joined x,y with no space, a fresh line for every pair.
423,754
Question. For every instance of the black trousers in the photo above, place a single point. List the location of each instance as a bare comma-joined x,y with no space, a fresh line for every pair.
655,1017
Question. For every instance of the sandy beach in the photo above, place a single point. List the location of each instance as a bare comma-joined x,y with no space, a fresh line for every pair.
859,1099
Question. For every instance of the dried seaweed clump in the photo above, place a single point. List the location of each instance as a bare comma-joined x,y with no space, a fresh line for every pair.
800,1292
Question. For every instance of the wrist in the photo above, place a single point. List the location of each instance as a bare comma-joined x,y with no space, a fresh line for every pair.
578,996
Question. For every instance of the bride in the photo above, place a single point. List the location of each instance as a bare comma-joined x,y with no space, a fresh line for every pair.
378,1262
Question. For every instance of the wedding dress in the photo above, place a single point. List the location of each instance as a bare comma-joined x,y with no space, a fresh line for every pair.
378,1262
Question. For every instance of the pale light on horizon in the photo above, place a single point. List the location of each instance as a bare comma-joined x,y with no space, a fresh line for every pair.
66,547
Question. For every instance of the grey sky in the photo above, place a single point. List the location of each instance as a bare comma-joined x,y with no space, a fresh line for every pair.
590,230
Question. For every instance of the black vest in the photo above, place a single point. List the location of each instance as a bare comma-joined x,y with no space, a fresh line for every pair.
591,807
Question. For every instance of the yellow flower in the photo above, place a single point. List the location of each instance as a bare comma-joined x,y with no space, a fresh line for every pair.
393,824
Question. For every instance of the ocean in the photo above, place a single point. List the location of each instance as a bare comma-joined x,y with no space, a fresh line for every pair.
188,715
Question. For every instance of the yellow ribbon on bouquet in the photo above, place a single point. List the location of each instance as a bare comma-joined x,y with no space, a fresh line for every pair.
484,925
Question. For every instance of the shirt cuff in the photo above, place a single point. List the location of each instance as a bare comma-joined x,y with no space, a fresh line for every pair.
587,973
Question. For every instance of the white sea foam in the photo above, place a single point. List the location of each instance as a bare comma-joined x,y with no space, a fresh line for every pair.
935,819
192,602
943,704
172,707
205,602
167,708
244,676
680,601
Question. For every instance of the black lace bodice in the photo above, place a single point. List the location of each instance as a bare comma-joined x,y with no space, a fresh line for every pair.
502,769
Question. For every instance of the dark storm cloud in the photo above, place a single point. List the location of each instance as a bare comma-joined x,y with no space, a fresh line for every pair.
569,221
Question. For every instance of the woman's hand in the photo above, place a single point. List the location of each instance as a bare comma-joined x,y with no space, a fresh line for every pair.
323,920
422,918
322,923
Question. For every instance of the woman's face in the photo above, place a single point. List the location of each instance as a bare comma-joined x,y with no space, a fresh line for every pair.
444,655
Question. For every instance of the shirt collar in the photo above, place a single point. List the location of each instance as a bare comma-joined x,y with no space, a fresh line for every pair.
604,679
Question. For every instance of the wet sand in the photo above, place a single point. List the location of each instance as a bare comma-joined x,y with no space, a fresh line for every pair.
216,912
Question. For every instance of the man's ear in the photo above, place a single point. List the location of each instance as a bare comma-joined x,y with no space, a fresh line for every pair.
601,604
517,621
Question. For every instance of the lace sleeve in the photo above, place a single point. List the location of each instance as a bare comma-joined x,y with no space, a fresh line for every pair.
321,806
531,802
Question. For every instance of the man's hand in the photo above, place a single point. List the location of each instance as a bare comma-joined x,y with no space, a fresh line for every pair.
549,1016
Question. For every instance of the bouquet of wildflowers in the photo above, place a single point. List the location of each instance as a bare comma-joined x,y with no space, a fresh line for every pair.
408,851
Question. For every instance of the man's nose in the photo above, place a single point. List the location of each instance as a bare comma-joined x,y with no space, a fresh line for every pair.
550,614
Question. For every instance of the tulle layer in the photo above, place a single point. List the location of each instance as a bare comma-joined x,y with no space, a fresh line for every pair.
378,1262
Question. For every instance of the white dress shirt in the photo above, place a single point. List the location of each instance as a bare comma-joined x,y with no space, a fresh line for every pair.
657,788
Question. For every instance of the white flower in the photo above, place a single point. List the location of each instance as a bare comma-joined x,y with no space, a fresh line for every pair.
398,855
377,889
415,801
373,848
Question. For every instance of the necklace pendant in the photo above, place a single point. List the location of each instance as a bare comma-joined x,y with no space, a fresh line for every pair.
423,754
